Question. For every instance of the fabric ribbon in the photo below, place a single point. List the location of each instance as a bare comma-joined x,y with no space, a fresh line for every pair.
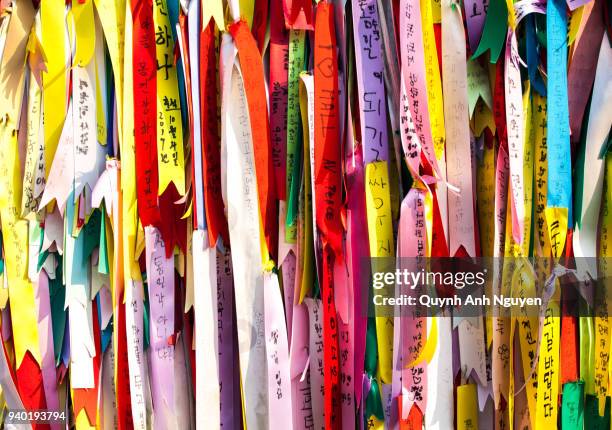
410,334
581,72
414,78
369,64
170,156
196,38
208,401
327,178
459,165
215,215
297,42
145,112
589,197
278,95
160,281
54,79
298,14
250,59
558,205
244,231
515,130
277,351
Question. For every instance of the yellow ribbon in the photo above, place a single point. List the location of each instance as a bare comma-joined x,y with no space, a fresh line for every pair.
382,244
170,156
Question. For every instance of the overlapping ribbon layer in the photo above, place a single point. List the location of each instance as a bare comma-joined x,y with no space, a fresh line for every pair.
193,195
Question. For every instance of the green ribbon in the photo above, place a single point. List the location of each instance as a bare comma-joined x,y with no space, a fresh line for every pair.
103,266
373,402
297,43
494,31
145,318
371,354
572,408
605,148
91,232
57,297
42,256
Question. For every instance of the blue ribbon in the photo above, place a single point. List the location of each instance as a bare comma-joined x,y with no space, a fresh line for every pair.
558,137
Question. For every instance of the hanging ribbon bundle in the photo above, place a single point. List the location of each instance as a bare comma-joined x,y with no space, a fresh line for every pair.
204,203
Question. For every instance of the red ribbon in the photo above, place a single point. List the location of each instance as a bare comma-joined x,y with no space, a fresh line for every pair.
298,14
328,196
569,347
30,386
279,56
211,157
145,111
124,404
173,233
414,420
328,174
331,350
260,21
